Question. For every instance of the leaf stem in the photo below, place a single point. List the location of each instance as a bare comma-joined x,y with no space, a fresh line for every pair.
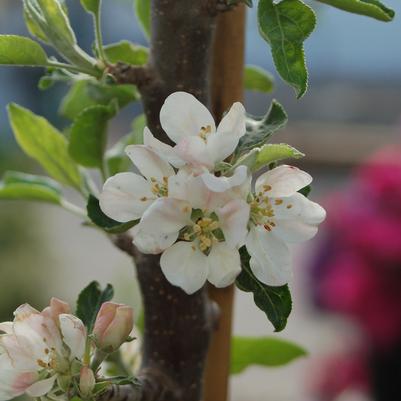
99,37
71,207
72,68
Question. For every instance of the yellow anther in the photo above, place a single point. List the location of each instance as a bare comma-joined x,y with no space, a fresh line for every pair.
267,187
289,206
278,202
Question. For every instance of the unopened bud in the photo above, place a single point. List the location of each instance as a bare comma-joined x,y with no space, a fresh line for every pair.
87,382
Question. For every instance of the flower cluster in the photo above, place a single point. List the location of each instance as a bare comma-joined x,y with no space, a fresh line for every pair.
48,353
199,215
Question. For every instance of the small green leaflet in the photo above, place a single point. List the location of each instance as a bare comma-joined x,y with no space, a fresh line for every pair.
257,79
275,302
143,15
262,351
106,223
44,143
285,26
18,50
20,186
88,138
370,8
89,302
127,52
92,6
259,130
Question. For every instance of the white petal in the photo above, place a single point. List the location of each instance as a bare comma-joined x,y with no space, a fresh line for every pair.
233,220
185,266
6,327
166,215
232,127
149,164
194,151
297,218
74,334
224,265
41,387
183,115
222,184
152,244
24,311
270,257
126,196
20,357
165,151
283,180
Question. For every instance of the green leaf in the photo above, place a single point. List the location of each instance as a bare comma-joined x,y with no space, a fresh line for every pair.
21,186
275,302
259,130
285,26
143,15
89,302
117,160
370,8
257,79
41,141
92,6
86,93
88,137
262,351
275,152
106,223
48,20
127,52
18,50
305,191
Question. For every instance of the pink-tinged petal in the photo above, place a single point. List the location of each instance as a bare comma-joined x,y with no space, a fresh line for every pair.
224,265
297,218
74,334
41,387
270,257
126,196
19,357
166,216
282,181
56,308
24,311
87,381
149,163
233,220
165,151
6,327
104,317
185,266
223,184
183,115
194,151
152,243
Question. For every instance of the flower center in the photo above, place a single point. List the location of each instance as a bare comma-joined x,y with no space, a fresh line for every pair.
204,230
205,132
160,189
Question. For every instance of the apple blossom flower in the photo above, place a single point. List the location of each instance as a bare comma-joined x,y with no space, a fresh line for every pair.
113,325
280,215
190,125
36,347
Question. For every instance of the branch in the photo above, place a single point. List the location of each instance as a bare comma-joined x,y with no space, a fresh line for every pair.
131,74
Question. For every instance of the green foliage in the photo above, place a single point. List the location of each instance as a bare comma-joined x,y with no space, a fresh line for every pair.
259,130
44,143
275,152
86,93
106,223
370,8
285,26
257,79
92,6
117,160
20,186
143,15
127,52
275,302
48,21
89,302
18,50
262,351
88,137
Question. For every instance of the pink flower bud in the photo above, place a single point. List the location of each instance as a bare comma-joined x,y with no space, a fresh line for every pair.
56,308
113,325
87,382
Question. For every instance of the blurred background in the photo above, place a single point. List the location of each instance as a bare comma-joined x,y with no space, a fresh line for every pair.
347,282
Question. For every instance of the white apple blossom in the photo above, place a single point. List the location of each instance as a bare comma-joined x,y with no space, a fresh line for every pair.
36,347
190,125
280,215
